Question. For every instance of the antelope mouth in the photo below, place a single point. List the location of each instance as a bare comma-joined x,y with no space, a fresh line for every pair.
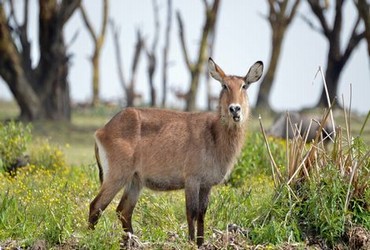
236,118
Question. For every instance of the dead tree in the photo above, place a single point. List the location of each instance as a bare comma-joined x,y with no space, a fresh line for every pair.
281,14
128,86
363,8
337,57
210,97
166,48
196,68
41,91
98,40
152,59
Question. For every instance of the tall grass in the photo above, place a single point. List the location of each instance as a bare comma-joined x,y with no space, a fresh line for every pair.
323,191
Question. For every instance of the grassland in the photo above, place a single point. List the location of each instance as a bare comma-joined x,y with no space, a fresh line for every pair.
47,207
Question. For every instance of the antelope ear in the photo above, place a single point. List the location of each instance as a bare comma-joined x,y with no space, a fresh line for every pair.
215,71
254,73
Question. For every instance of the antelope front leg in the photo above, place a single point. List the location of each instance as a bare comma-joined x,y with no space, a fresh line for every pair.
192,201
203,204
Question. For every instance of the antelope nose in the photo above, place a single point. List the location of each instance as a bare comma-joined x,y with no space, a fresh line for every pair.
234,108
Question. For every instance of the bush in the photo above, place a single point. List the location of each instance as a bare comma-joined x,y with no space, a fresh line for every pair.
47,156
322,194
13,144
254,159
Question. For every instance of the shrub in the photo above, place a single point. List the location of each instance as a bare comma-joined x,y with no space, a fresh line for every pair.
13,144
322,194
254,159
47,156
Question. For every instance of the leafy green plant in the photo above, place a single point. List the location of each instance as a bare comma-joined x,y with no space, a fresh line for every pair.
322,193
45,155
13,144
254,159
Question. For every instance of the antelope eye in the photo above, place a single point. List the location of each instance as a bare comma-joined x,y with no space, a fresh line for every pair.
245,86
224,86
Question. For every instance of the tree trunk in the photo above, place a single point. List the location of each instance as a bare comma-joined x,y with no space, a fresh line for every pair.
337,57
165,52
332,75
96,77
151,70
41,92
191,95
196,68
363,9
98,40
52,71
13,74
265,87
130,96
280,16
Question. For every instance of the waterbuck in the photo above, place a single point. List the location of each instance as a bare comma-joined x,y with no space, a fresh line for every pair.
168,150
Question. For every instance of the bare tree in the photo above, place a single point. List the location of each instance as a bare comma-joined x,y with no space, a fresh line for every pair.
165,52
42,92
363,8
128,86
152,59
196,68
281,14
337,57
211,99
98,40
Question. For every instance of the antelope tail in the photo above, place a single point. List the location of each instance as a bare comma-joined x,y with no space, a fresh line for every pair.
99,164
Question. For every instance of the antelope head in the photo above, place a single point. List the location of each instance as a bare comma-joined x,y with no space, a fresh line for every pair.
233,102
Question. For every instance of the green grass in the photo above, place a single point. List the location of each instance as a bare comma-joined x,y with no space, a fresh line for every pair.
48,206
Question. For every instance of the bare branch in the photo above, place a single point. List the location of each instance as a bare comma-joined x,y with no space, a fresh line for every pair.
88,24
363,7
12,14
156,25
272,6
21,31
205,4
165,51
272,15
207,29
338,20
182,40
105,18
311,24
209,25
293,10
354,39
116,34
67,8
138,47
319,12
210,98
25,14
151,54
73,39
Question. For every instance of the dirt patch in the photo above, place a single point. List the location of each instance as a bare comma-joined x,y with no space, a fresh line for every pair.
358,238
355,238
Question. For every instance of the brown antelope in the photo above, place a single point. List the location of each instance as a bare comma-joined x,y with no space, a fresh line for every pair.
168,150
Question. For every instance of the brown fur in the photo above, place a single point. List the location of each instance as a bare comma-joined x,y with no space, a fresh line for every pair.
169,150
98,163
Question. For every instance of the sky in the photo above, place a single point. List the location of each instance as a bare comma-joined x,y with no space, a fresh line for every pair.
242,37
